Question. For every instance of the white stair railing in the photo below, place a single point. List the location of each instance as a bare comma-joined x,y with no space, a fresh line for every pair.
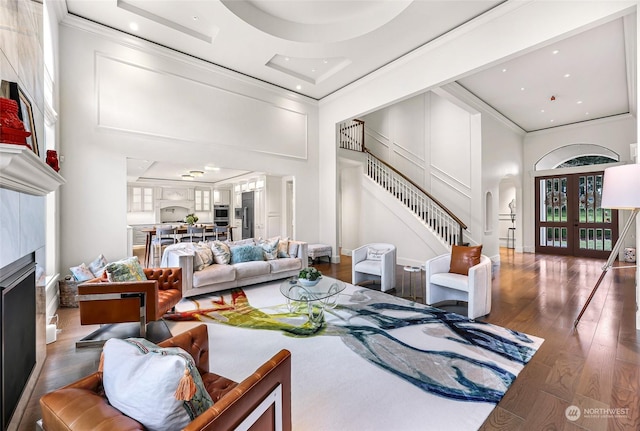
433,214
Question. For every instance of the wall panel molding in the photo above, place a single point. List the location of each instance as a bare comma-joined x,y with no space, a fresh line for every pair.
163,104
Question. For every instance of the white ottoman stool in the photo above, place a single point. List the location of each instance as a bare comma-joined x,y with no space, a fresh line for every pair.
319,250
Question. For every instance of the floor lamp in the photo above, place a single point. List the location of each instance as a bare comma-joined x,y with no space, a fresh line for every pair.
621,190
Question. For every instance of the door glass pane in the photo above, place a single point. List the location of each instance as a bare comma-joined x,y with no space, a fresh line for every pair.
543,236
590,200
564,241
599,239
582,200
583,238
563,199
556,237
590,239
598,198
608,242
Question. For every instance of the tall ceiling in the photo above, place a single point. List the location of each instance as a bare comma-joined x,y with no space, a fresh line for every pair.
316,47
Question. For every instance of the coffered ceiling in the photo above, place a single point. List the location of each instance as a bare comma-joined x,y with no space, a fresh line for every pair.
316,47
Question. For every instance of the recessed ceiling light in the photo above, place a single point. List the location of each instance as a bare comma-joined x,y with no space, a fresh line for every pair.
211,168
298,87
566,75
521,88
551,121
313,70
555,51
542,110
586,113
579,102
325,61
286,59
133,26
504,70
195,18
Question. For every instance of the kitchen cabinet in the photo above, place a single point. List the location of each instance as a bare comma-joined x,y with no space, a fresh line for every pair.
222,197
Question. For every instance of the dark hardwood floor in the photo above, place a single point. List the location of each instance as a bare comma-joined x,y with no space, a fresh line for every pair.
596,367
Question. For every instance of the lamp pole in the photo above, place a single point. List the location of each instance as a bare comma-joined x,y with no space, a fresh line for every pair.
609,264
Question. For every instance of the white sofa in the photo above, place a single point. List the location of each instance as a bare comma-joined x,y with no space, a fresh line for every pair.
216,277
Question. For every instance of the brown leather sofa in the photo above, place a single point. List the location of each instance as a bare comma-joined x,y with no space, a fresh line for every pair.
103,302
82,406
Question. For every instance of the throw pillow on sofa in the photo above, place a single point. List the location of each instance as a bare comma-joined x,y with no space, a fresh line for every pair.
202,256
141,380
283,247
221,252
246,253
97,266
82,272
269,248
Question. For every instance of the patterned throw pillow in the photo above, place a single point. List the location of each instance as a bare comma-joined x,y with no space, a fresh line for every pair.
97,266
81,272
221,252
246,253
376,253
202,256
128,269
269,248
283,248
141,380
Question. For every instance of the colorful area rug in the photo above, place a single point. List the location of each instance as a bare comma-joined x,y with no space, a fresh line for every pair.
377,363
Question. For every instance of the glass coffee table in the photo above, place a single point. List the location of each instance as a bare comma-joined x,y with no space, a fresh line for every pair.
314,298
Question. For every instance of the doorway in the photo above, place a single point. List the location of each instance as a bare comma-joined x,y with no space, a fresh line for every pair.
569,219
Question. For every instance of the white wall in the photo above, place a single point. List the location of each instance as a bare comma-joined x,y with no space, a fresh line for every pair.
616,133
121,98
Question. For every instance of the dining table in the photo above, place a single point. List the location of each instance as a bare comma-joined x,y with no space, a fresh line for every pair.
182,230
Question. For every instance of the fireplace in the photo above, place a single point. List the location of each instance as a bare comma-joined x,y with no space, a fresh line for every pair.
17,332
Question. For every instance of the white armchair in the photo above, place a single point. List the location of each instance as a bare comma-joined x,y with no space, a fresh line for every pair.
475,288
376,261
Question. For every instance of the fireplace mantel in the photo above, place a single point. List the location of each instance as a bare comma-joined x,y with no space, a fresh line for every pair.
22,171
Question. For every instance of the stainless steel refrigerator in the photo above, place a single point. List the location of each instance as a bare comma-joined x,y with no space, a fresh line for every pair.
247,215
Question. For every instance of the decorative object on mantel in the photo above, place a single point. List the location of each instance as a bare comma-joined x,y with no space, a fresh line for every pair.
190,219
52,160
22,171
11,128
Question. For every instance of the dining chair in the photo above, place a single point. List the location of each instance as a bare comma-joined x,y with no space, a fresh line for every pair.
164,236
194,234
221,233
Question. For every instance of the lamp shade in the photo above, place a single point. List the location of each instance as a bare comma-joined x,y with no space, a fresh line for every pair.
621,188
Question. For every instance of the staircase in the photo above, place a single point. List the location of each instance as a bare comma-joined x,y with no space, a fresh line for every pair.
435,216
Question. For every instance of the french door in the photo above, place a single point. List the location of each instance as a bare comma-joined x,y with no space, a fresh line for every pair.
569,219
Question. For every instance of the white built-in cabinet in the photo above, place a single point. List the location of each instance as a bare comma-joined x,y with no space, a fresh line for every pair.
222,197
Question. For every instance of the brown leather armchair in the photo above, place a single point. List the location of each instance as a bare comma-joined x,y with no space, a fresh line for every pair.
82,406
103,302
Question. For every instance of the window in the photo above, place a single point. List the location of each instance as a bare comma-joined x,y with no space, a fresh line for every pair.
141,199
203,200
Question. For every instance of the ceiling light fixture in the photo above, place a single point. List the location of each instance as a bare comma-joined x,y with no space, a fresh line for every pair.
566,75
196,173
187,177
555,51
298,87
504,70
579,102
133,26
